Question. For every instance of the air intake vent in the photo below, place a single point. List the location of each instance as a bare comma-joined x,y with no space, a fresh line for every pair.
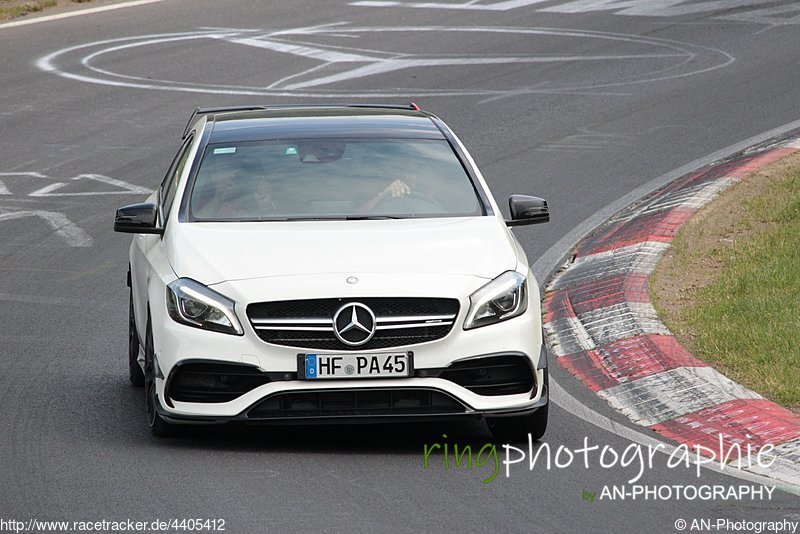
342,403
492,375
212,382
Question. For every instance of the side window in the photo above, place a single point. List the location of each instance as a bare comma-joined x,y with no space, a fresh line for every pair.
170,184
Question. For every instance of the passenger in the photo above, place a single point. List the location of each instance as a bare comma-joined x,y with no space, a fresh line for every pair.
231,195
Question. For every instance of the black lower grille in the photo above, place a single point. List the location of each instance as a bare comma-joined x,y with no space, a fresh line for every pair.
309,323
492,375
333,403
212,382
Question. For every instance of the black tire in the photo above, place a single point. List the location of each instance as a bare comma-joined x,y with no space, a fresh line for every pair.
158,427
516,429
135,372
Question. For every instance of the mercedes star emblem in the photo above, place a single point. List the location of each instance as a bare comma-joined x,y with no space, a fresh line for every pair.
354,324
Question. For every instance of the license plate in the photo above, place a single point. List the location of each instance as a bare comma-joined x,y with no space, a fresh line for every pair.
374,365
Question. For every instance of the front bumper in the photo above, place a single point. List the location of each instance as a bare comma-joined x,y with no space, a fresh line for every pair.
176,343
416,398
365,418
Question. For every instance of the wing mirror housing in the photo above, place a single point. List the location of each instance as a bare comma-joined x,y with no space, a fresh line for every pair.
527,210
138,219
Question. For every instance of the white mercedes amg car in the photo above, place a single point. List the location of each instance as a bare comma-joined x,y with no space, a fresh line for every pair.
332,263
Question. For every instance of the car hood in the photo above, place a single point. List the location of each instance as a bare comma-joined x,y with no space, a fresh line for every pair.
217,252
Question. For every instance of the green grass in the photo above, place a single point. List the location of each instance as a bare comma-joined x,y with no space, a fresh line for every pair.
18,10
10,9
747,320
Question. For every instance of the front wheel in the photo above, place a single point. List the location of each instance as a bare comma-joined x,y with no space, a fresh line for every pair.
515,429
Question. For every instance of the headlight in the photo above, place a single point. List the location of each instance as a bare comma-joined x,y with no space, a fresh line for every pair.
193,304
501,299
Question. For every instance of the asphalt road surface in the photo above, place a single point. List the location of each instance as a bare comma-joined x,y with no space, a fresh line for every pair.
554,99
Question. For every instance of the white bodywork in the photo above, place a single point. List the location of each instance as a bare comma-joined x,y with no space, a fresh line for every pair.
253,262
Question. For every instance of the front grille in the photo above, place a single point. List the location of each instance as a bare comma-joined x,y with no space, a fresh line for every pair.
492,375
342,403
309,323
212,382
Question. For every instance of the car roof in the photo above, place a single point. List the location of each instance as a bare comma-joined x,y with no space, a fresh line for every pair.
321,121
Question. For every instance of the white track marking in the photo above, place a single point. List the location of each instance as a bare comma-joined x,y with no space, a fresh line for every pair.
309,30
125,188
72,234
621,321
377,62
748,9
79,13
389,65
657,398
24,173
645,247
306,72
639,258
694,197
787,464
586,140
649,8
771,16
328,56
568,336
46,190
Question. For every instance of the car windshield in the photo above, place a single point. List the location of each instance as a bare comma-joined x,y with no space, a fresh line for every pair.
331,178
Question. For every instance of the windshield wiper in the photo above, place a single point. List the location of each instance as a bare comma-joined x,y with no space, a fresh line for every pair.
371,217
332,218
283,219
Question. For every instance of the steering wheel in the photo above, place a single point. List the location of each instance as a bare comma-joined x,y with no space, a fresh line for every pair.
414,202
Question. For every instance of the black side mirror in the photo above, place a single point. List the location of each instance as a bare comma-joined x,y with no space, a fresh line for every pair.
527,210
137,219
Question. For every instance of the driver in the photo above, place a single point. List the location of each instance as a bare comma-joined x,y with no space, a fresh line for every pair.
396,189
